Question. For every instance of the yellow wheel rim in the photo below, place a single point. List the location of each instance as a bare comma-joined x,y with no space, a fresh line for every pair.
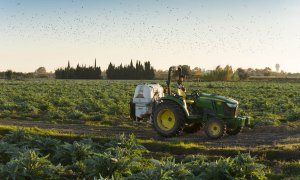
215,129
165,119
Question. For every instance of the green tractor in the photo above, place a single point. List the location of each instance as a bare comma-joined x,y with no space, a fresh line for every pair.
172,113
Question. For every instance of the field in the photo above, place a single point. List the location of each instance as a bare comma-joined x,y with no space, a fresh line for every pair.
69,112
268,103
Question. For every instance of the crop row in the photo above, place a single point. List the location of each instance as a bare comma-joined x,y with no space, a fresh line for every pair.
24,156
266,102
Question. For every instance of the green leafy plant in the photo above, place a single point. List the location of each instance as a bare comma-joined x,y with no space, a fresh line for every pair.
243,166
29,165
25,156
167,169
69,154
19,137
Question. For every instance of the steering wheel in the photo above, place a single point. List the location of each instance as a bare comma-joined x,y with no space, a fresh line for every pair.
195,94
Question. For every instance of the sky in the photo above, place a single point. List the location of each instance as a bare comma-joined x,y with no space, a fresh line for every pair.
199,33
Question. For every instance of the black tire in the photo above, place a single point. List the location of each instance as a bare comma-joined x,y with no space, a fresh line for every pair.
215,128
132,110
192,128
234,131
179,119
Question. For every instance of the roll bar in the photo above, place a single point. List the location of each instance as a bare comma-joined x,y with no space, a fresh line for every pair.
171,70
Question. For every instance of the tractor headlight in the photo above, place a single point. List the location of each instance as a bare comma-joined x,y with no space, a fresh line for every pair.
231,105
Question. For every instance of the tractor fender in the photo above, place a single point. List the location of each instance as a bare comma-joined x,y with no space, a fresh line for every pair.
177,101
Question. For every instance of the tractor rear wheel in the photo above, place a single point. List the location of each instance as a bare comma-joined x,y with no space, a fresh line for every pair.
192,128
168,119
234,131
215,128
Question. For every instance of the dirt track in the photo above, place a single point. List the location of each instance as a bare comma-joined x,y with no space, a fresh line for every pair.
266,135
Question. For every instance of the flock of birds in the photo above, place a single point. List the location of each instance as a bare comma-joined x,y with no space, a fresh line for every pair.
161,26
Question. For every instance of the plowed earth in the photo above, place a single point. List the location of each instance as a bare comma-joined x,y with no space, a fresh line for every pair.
265,135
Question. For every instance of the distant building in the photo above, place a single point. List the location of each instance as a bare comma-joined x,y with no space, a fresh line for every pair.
277,66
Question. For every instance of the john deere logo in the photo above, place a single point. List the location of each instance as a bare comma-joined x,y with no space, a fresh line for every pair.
141,92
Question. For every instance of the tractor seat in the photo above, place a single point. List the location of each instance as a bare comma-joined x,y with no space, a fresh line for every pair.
183,95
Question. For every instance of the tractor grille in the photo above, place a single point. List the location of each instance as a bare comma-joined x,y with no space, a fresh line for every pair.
232,112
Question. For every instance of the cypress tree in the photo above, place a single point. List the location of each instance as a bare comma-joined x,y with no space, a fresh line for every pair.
80,72
139,71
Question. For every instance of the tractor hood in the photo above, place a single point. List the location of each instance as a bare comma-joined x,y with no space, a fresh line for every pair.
219,98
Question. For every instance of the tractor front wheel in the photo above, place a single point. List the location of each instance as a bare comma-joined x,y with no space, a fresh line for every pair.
215,128
234,131
168,119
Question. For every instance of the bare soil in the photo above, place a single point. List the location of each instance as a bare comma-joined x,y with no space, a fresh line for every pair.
265,135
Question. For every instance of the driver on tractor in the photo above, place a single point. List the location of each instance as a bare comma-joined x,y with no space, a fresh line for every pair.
180,85
182,91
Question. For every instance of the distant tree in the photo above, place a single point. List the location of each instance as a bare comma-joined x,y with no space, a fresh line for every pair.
228,73
186,70
196,72
148,71
41,72
80,72
242,74
110,71
220,74
250,71
8,74
161,74
267,71
2,75
139,71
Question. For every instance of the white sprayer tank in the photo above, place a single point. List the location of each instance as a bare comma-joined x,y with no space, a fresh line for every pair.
144,96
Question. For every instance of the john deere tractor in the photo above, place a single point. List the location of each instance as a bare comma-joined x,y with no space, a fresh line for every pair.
174,112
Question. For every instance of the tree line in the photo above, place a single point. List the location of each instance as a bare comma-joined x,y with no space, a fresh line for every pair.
144,70
220,73
228,74
80,72
139,71
39,73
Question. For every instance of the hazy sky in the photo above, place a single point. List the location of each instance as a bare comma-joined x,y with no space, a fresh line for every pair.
200,33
